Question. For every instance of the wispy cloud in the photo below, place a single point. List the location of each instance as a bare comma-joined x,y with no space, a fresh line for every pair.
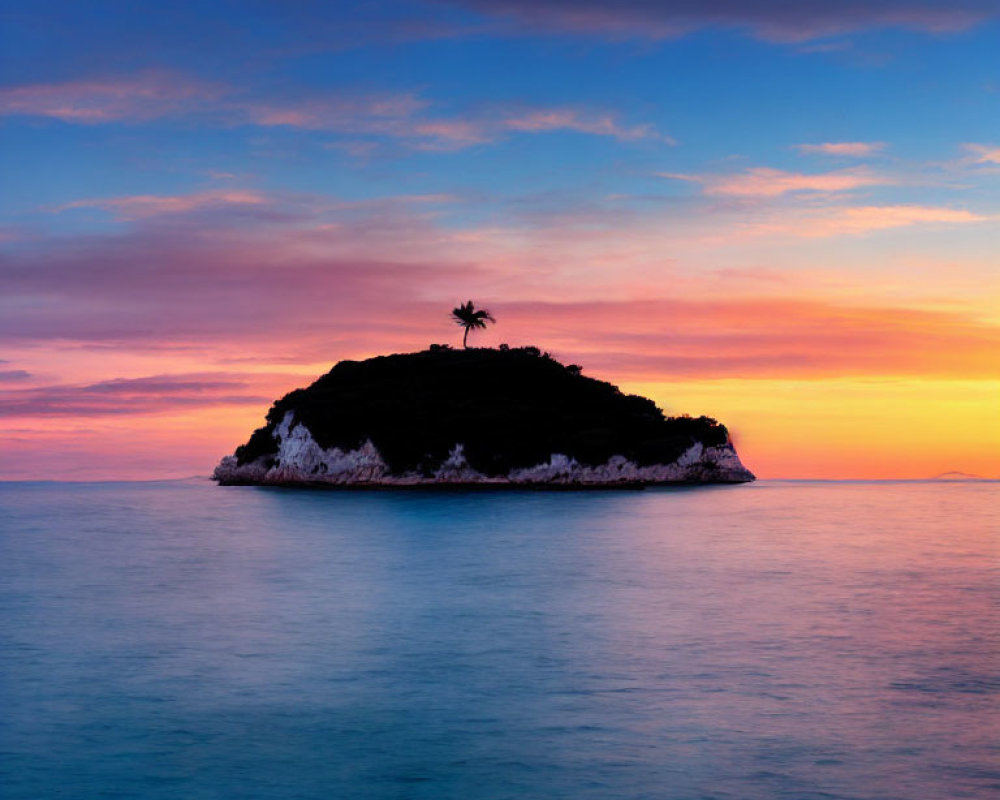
857,220
762,337
128,396
11,375
387,114
399,116
151,95
178,276
848,149
776,20
363,278
564,119
983,153
154,95
148,205
767,182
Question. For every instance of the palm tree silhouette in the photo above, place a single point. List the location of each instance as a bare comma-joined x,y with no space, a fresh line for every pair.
468,317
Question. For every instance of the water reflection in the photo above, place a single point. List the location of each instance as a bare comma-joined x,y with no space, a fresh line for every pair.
779,640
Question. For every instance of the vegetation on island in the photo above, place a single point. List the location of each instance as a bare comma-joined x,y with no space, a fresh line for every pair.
509,407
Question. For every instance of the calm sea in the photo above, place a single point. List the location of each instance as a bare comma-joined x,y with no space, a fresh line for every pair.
778,640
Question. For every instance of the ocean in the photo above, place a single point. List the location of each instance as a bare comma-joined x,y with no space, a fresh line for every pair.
779,640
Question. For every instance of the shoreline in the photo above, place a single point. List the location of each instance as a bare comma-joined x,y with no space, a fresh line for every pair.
497,485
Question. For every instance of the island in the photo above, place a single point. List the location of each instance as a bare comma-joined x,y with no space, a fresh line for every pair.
512,416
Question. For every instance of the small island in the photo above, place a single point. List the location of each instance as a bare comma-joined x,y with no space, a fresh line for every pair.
476,417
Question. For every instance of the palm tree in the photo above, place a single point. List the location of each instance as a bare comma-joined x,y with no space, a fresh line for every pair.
468,317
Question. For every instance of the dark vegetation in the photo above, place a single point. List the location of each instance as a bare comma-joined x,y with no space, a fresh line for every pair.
511,407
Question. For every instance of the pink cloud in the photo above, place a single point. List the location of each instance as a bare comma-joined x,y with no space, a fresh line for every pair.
400,116
566,119
766,182
374,113
865,219
129,396
404,117
151,95
138,206
381,278
179,279
760,338
305,283
453,134
983,153
850,149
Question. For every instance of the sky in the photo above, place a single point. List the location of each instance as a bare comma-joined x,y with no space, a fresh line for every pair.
785,216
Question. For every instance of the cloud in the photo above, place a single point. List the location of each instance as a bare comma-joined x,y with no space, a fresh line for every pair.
491,126
128,396
387,114
398,116
155,95
983,153
151,95
442,134
261,206
766,182
849,149
318,279
380,277
179,277
601,125
775,20
857,220
13,374
138,206
760,338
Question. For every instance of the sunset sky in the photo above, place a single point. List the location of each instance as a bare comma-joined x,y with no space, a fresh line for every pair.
785,216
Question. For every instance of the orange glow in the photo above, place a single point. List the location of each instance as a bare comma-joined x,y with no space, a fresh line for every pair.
858,428
822,365
849,428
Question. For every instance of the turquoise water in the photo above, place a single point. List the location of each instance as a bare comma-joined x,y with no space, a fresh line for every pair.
777,640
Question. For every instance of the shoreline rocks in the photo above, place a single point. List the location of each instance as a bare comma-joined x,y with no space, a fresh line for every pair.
300,461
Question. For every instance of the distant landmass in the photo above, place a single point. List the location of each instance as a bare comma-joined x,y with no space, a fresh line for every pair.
505,417
957,476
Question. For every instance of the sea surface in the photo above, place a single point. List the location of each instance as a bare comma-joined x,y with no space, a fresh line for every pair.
780,640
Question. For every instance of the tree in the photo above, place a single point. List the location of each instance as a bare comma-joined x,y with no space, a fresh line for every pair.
469,317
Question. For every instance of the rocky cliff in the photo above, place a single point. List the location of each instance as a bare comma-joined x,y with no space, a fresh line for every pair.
478,416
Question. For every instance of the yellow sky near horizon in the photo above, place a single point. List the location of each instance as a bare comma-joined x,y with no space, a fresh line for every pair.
866,428
870,428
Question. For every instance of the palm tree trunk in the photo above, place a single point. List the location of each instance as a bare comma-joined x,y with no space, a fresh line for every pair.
465,339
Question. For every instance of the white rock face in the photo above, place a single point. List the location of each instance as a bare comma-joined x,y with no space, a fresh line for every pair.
300,460
456,469
698,463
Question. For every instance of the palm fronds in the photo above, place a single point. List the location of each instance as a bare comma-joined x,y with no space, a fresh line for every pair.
469,317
